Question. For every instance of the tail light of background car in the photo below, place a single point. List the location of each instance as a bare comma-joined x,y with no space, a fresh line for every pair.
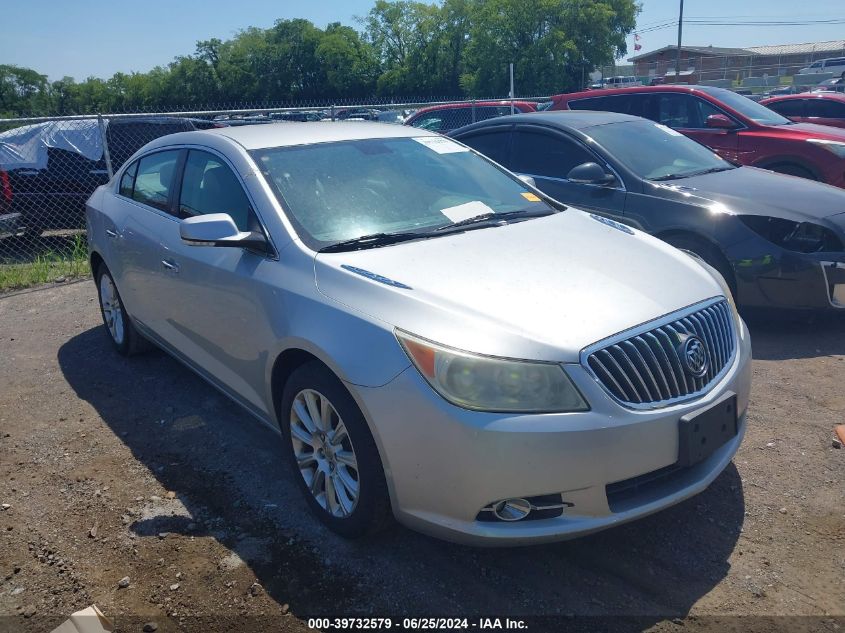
5,192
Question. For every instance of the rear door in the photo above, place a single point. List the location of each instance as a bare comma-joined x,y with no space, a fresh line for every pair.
137,218
825,112
492,141
548,156
792,109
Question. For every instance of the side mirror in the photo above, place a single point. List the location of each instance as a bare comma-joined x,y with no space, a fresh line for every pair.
528,180
720,122
590,174
219,229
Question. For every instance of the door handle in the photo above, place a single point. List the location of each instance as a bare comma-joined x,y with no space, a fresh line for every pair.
170,266
112,234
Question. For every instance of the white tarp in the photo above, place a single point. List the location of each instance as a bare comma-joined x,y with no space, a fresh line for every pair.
26,147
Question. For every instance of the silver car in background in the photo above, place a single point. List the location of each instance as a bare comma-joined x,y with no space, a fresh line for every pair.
435,339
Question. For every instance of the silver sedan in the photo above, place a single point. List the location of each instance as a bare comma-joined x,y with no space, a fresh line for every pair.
434,338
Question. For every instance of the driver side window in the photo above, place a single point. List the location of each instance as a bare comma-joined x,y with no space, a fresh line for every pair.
210,186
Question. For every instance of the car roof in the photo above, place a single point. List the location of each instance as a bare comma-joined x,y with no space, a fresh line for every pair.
289,133
470,104
710,90
563,119
834,96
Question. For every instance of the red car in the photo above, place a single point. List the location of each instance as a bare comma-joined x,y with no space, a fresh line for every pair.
732,125
451,116
824,108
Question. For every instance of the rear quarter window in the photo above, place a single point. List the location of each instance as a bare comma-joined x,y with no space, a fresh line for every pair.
127,181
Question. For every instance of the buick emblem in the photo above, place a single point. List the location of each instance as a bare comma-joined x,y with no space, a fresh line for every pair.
693,356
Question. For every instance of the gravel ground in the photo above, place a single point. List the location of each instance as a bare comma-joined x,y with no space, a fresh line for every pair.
135,472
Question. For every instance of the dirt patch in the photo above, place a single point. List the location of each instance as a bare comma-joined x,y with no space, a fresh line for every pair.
115,468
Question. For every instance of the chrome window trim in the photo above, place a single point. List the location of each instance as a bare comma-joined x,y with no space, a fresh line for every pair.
647,327
582,184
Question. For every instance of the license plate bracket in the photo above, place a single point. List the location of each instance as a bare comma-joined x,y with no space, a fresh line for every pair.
702,432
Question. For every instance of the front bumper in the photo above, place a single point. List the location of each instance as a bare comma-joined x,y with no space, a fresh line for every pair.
444,464
792,280
10,222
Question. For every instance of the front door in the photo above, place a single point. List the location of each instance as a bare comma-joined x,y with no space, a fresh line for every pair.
688,114
214,295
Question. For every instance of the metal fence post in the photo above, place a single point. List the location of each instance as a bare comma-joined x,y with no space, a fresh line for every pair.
333,112
102,126
473,110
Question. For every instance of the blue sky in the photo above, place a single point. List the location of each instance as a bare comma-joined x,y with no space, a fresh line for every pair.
100,37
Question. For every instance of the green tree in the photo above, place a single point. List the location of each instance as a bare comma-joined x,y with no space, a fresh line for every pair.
349,63
550,42
407,48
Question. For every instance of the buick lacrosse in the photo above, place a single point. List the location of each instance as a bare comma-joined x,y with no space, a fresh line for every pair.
434,338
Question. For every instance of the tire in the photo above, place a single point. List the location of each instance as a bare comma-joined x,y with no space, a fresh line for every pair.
351,500
709,253
793,170
122,333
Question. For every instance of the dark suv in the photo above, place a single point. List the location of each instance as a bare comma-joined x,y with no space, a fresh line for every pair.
732,125
48,170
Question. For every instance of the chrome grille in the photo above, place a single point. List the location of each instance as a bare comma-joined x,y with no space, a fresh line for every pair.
646,369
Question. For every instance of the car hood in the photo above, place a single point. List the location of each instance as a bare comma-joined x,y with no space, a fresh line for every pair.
541,289
752,191
811,130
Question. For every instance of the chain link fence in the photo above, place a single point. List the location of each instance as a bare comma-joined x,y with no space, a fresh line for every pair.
49,166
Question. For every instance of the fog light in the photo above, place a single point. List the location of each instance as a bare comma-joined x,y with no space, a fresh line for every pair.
512,509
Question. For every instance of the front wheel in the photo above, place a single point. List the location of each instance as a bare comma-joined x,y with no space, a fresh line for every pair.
332,453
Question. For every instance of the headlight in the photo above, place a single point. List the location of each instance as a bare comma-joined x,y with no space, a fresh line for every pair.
800,237
837,147
487,383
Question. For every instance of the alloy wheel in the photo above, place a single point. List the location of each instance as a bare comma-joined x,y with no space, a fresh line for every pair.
324,453
112,311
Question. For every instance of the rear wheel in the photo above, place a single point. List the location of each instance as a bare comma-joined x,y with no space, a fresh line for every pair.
332,453
122,332
709,253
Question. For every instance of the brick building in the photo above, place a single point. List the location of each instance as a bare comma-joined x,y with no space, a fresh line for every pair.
700,63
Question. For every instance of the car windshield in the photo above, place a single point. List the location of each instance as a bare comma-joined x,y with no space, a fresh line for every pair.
339,191
748,108
654,151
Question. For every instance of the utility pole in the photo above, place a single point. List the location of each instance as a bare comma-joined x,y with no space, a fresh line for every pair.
678,53
512,93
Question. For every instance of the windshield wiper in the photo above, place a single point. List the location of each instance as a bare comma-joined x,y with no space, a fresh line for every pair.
372,240
492,218
690,174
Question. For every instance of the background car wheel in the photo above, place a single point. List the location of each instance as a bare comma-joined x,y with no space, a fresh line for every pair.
332,453
708,253
123,334
793,170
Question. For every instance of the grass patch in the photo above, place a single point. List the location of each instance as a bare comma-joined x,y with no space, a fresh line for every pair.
47,267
